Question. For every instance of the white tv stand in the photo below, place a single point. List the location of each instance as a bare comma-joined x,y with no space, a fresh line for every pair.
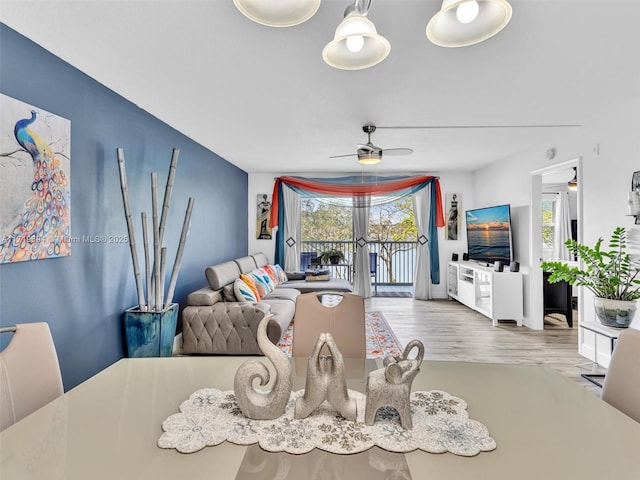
497,295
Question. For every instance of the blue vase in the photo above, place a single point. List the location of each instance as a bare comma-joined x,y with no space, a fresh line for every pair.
150,334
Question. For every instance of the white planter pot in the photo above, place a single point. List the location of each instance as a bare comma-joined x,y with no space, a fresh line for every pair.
615,313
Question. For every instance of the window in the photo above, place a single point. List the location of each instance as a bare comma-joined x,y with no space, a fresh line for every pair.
320,221
548,224
392,234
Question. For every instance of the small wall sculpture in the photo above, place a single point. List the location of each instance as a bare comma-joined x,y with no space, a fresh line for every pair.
326,381
391,385
267,404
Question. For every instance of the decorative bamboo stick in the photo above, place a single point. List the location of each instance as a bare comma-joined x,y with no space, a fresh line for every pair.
163,262
167,192
156,242
178,260
132,240
147,264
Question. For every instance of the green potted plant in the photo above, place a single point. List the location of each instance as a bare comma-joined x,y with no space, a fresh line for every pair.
610,275
332,256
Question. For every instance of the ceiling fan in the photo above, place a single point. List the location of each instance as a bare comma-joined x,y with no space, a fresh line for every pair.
370,154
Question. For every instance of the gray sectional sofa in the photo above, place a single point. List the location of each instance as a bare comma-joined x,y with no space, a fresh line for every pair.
215,322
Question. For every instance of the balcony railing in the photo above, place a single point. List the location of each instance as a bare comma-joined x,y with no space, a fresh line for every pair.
396,260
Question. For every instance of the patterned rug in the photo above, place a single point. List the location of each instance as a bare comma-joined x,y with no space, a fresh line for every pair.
381,341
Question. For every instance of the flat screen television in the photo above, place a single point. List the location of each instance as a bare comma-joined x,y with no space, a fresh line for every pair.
489,235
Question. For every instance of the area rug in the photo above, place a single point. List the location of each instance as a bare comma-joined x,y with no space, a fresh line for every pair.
557,320
381,341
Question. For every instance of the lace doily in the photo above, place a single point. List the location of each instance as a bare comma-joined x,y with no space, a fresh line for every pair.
440,424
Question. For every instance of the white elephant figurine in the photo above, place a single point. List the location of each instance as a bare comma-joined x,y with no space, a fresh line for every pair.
391,386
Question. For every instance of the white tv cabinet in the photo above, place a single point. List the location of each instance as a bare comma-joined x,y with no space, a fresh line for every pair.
497,295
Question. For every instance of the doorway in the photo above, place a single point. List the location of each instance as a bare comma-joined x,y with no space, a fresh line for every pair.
549,188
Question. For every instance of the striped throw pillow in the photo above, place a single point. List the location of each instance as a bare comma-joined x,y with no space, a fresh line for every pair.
261,284
251,284
266,278
243,292
282,277
272,273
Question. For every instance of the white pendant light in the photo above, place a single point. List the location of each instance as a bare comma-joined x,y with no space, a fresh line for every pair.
278,13
356,44
460,23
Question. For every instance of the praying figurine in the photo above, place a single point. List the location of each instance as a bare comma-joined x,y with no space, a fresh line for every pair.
326,381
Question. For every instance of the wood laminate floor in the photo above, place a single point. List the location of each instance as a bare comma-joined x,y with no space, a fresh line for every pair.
451,331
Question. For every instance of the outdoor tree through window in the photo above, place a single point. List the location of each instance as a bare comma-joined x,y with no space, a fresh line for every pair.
392,226
548,223
392,230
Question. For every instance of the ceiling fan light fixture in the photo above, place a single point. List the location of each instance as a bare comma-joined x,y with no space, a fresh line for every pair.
278,13
446,28
369,158
356,43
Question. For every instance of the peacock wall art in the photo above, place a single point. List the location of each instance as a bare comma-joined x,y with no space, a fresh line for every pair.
35,162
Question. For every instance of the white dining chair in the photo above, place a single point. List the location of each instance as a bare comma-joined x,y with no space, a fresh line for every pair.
621,387
29,372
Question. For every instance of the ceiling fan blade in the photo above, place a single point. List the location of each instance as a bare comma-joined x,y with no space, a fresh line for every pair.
347,155
397,151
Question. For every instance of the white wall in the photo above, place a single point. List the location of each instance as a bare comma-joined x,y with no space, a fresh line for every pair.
507,181
605,180
460,183
607,177
259,183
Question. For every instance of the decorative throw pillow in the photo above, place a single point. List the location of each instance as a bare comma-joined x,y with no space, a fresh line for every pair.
228,294
267,279
272,273
251,284
260,283
243,292
282,277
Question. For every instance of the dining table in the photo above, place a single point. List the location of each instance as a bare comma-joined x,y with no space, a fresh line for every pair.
544,425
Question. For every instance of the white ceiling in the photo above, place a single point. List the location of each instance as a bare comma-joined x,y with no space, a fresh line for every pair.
263,99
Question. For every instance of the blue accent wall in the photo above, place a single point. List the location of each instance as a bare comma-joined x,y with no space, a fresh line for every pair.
83,296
